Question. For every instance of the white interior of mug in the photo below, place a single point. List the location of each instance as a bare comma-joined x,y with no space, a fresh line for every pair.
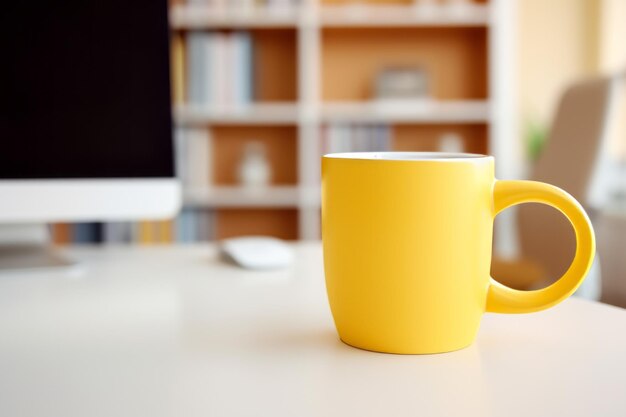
406,156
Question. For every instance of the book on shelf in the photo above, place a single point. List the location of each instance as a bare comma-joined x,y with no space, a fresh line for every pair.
220,69
190,225
220,73
165,231
344,137
117,233
197,68
86,233
177,65
204,225
155,232
61,233
185,226
194,225
145,232
193,157
242,63
76,233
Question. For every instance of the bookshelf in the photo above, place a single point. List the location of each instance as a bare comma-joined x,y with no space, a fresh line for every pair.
314,66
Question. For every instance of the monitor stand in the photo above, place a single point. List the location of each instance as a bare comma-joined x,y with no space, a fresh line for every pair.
28,248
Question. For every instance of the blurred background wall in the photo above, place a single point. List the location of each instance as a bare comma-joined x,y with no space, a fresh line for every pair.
560,42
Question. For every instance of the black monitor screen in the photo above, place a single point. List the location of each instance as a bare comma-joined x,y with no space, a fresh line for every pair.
84,89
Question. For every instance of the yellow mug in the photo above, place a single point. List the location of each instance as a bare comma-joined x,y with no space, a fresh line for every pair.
407,248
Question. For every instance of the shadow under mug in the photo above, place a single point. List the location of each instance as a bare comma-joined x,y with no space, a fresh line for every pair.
407,242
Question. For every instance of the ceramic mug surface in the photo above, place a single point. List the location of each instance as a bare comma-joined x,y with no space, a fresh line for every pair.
407,248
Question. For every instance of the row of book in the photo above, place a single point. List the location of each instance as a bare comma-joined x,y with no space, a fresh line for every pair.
345,137
191,225
220,69
194,147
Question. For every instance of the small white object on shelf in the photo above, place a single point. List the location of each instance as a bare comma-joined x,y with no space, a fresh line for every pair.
451,143
408,82
254,170
258,252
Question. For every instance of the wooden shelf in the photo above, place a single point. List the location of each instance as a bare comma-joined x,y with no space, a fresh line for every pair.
256,114
205,17
282,223
455,60
433,112
449,111
240,197
404,16
427,137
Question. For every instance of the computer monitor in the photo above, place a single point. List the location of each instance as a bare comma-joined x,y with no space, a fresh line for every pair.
85,115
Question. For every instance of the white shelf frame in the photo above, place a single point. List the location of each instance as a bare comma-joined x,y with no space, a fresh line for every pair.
275,196
404,16
197,16
413,112
190,17
309,113
255,114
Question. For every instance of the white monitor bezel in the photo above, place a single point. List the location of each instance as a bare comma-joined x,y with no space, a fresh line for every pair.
119,199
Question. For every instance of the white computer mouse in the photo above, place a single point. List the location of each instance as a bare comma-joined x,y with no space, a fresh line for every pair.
258,252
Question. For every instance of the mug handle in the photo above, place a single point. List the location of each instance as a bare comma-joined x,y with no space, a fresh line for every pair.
502,299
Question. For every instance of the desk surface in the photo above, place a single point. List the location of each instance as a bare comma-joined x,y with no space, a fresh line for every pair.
175,332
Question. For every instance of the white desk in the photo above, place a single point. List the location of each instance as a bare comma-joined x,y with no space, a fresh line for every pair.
173,332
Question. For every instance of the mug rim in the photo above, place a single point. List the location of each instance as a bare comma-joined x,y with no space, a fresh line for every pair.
409,156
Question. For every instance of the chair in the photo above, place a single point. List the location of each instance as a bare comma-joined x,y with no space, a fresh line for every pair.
569,161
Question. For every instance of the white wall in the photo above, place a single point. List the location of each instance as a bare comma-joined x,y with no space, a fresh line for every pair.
557,45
